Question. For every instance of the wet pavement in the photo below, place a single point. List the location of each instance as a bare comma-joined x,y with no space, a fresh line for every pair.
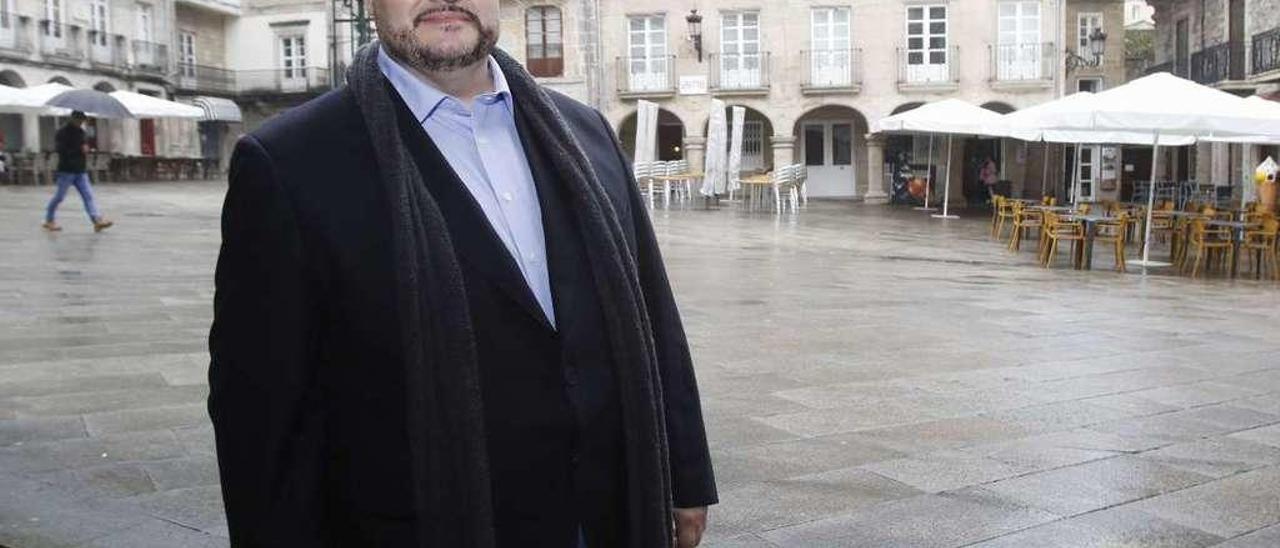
871,377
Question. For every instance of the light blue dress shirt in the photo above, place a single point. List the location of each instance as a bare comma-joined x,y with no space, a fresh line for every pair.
483,148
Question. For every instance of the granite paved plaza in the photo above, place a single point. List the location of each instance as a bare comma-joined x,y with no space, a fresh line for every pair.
871,377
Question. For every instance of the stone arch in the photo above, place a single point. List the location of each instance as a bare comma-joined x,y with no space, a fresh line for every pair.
671,132
757,146
60,80
12,79
104,87
999,107
905,107
830,140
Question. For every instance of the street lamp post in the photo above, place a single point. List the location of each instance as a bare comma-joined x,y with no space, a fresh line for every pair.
1097,45
695,31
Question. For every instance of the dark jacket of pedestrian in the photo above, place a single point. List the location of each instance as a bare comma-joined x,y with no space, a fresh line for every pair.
381,374
69,143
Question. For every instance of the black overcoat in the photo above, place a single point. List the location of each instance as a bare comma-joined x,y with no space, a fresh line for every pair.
306,387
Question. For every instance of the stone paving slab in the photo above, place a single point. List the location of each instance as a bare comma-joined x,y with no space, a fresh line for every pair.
870,377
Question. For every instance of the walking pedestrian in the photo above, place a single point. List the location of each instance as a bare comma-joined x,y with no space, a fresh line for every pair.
72,169
441,317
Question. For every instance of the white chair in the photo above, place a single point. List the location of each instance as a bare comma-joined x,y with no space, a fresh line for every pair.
783,183
802,176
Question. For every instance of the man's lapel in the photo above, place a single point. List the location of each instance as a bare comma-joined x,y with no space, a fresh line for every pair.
473,236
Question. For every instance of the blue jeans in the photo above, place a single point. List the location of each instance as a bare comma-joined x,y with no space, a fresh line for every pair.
81,181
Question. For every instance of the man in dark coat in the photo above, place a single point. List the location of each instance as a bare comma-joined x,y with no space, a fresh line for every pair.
442,319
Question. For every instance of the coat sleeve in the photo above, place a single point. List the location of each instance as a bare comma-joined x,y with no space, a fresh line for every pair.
262,389
692,480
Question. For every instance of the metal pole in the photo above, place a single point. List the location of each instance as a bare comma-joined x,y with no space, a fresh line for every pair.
946,191
1151,200
1044,167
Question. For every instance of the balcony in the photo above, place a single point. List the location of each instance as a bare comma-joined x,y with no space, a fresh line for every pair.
150,58
646,77
740,73
929,71
1213,64
15,36
60,43
302,80
107,51
1022,66
831,71
1266,52
205,80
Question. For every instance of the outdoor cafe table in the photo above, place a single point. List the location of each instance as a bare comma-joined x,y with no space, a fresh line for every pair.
1090,222
755,184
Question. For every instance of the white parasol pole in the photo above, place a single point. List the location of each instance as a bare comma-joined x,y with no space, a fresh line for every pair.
946,191
928,178
1044,167
1151,201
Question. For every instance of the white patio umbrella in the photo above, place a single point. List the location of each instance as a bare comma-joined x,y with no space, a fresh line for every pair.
146,106
713,172
950,117
22,101
1162,106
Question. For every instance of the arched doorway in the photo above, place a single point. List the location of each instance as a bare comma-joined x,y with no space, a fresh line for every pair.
11,124
911,157
757,147
831,140
670,136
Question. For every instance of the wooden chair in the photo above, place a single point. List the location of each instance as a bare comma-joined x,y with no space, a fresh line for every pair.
996,200
1004,212
1261,247
1024,220
1206,242
1116,233
1057,230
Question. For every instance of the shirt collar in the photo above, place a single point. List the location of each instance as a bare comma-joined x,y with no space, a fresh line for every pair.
425,99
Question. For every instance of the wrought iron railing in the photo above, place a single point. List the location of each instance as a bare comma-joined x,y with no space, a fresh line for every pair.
60,42
831,69
646,75
928,68
151,57
1266,51
204,79
298,80
1212,64
15,34
1023,62
739,71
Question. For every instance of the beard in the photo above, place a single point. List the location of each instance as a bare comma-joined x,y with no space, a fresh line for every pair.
403,44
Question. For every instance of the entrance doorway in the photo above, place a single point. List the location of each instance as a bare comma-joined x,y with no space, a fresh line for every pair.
828,155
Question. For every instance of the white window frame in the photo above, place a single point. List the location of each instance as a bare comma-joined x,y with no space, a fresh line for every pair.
830,41
292,55
1019,50
100,22
1085,23
55,12
146,30
187,53
647,52
1089,171
927,70
740,56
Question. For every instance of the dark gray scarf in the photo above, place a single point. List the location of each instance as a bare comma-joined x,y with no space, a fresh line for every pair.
451,482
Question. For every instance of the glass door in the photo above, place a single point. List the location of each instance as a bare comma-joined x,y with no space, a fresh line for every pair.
293,63
830,58
1018,54
647,67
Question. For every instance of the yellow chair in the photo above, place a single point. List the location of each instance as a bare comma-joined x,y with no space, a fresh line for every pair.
1206,242
1261,247
1003,213
1024,220
1116,233
1057,230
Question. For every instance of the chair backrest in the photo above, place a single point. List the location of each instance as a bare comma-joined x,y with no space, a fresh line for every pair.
1083,208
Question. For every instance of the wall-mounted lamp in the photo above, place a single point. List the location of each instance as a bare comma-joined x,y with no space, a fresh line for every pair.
695,31
1096,47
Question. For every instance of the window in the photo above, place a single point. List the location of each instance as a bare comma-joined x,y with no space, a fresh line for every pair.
6,14
293,56
1088,22
1018,53
647,48
740,50
53,18
927,44
544,41
829,35
187,54
1091,85
145,29
1088,168
98,18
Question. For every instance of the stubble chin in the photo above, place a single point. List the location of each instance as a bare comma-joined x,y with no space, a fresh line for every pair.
419,53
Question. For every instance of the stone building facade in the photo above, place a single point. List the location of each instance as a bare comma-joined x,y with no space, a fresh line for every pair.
814,75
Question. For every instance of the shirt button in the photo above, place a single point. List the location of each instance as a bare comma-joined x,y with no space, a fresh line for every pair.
507,196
